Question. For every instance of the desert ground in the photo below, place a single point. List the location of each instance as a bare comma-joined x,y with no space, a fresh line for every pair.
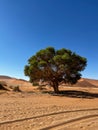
34,108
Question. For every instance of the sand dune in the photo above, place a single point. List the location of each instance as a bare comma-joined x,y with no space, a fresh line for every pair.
86,83
4,77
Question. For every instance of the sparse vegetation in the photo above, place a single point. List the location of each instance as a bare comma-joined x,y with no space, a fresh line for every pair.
55,66
16,89
35,84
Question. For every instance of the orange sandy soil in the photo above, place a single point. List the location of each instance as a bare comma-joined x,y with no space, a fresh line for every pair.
32,109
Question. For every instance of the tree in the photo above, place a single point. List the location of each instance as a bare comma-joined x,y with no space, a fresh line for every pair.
55,66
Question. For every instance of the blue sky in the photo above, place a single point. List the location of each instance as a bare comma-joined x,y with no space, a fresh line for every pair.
26,26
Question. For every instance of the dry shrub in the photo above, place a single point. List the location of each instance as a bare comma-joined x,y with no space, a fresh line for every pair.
16,89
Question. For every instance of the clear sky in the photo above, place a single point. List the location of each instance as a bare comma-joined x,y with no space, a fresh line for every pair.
26,26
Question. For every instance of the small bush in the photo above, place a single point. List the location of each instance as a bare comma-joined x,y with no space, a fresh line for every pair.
16,89
35,84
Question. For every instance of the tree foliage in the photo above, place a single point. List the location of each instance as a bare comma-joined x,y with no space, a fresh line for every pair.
55,66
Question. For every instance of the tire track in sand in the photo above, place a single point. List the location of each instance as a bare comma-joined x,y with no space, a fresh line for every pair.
50,114
70,121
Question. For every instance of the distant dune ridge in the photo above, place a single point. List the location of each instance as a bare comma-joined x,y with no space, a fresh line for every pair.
83,82
86,83
13,83
5,77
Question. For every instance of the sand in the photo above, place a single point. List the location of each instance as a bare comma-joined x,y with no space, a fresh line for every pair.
32,109
36,111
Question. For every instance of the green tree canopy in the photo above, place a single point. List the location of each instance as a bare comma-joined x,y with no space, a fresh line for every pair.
55,66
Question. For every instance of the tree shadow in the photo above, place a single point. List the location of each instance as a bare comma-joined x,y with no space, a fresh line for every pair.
76,94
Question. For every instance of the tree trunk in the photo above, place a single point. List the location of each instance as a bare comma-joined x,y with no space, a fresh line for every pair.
55,87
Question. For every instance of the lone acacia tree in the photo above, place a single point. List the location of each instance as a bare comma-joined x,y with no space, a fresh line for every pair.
55,66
